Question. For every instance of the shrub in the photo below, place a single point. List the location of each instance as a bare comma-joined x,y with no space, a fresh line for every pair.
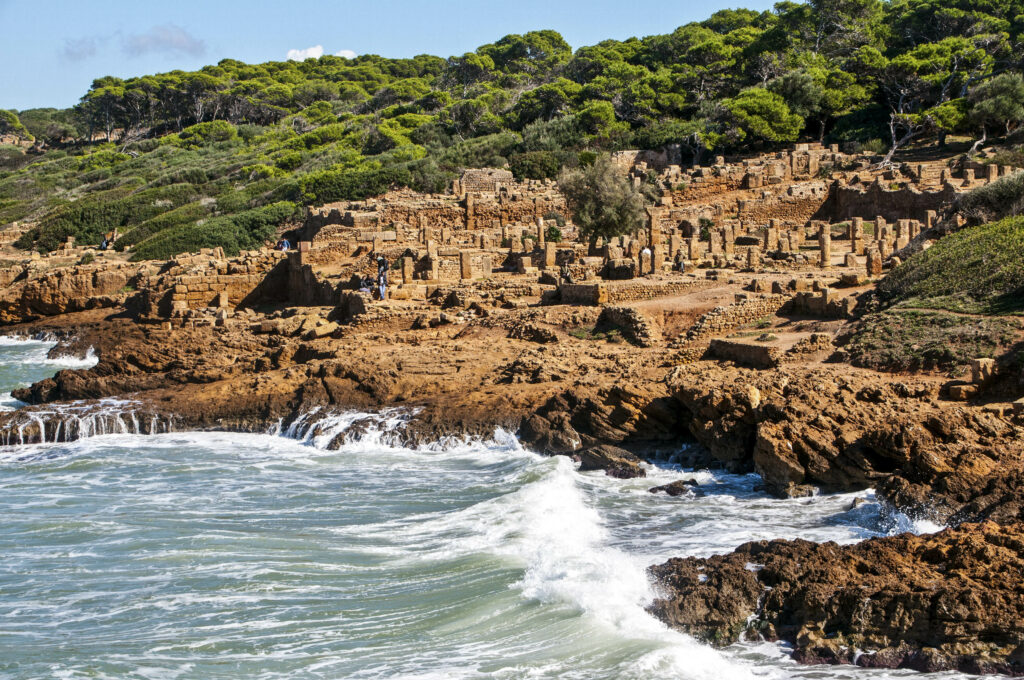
534,165
185,214
328,186
288,160
205,134
998,199
88,218
908,340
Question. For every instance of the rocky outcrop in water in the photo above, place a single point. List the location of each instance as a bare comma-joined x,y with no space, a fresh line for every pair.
952,600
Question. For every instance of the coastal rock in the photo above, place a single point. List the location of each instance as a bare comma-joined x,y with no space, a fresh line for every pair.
614,461
851,429
951,600
682,487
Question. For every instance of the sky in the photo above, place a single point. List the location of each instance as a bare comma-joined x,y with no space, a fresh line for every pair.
51,50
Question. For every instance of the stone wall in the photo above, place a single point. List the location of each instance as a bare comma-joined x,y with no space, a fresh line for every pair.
745,353
907,202
729,317
631,322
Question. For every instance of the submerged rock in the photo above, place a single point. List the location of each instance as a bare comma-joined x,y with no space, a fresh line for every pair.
682,487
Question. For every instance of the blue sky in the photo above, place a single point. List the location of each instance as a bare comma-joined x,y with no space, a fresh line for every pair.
52,49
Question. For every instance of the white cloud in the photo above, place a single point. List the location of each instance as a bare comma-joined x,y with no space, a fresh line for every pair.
314,52
168,38
348,54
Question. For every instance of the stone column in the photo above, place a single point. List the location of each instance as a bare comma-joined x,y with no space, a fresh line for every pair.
657,258
550,257
693,249
825,244
728,241
407,269
675,242
753,257
855,229
716,243
874,263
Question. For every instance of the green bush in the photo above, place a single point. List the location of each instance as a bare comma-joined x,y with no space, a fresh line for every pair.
11,125
329,186
88,218
1002,198
205,134
535,165
186,214
12,158
909,340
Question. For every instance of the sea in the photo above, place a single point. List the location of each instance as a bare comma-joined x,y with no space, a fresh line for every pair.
223,555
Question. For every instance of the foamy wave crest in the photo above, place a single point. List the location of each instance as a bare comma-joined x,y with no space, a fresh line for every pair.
37,350
329,430
80,420
568,557
68,361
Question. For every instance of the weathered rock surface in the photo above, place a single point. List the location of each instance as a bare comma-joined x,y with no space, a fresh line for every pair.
843,429
614,461
952,600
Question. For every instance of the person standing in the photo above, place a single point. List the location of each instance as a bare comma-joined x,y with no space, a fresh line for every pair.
382,277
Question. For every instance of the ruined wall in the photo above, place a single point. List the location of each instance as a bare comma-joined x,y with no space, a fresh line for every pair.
631,322
872,200
745,353
728,317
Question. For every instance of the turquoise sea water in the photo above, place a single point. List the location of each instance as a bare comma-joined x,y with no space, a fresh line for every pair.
205,555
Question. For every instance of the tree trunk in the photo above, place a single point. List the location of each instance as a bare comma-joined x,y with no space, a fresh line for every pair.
977,145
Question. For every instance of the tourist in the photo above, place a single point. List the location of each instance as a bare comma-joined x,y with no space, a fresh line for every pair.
366,285
382,282
283,245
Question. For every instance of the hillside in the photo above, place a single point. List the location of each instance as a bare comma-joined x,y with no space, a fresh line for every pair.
180,160
975,270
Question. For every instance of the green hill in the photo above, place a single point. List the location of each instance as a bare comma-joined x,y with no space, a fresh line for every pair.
162,155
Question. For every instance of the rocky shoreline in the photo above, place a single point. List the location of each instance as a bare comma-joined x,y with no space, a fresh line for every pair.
739,362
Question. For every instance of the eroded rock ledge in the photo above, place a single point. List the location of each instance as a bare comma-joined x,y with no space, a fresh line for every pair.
951,600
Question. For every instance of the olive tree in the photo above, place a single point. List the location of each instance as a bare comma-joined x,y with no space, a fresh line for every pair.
602,201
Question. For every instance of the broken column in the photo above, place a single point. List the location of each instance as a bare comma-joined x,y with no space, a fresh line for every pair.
874,263
549,255
825,245
753,257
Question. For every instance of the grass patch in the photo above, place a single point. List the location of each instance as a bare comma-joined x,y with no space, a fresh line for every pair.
613,335
976,270
910,340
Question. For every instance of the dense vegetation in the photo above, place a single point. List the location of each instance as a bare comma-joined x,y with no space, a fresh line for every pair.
161,157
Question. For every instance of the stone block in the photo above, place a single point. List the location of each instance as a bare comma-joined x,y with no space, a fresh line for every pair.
982,370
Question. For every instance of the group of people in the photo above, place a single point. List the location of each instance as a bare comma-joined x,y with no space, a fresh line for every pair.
366,284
